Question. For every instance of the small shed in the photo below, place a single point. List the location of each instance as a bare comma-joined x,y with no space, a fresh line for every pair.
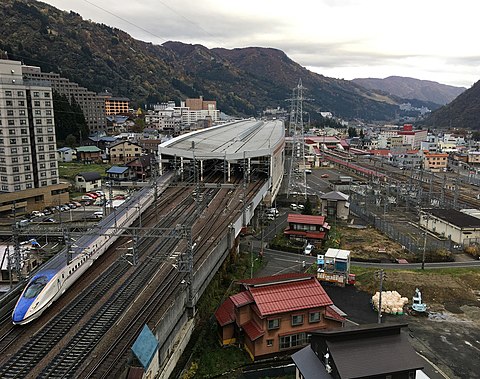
65,154
335,205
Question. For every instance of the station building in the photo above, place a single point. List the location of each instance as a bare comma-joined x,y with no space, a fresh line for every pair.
243,150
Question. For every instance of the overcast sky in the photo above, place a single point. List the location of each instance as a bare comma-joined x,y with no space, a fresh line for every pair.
424,39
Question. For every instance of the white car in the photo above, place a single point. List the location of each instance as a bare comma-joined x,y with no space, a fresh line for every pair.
308,249
293,206
301,207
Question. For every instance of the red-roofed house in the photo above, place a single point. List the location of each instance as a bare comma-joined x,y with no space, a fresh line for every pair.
306,227
276,313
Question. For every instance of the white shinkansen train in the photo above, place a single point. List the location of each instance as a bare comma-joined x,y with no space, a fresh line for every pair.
57,275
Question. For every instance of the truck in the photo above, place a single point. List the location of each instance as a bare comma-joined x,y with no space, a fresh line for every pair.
334,267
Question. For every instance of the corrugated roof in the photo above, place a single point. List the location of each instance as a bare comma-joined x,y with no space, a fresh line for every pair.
305,219
286,297
309,365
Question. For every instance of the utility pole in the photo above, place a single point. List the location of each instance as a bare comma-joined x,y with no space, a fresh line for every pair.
382,276
424,241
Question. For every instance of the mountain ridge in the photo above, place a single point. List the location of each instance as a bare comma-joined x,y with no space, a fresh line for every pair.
243,81
411,88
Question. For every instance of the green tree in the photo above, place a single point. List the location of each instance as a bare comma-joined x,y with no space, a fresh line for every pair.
352,132
71,140
69,119
308,209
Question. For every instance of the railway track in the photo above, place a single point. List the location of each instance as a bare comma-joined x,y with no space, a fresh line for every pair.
31,357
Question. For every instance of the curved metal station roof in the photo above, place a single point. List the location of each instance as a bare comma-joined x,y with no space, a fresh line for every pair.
236,140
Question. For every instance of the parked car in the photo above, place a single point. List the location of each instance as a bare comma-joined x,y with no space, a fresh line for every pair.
92,195
37,214
308,249
98,214
47,211
324,176
308,171
72,205
300,207
293,206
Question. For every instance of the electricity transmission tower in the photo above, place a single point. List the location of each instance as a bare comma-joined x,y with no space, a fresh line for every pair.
297,179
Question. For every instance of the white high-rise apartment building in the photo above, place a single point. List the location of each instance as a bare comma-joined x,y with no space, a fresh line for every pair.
27,131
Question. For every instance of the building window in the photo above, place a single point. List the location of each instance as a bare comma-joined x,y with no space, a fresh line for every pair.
21,112
21,103
25,149
9,112
17,187
54,173
314,317
28,177
15,169
43,183
54,181
49,121
48,103
297,320
23,122
48,112
293,340
38,121
27,168
46,94
13,141
9,103
8,93
269,343
24,140
38,112
52,156
39,139
23,131
11,131
16,178
36,94
273,324
28,185
36,103
53,164
3,178
4,188
11,123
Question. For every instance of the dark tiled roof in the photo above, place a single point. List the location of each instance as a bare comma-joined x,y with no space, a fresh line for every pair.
367,357
89,176
457,218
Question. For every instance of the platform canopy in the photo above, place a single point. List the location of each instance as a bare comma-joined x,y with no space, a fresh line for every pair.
232,141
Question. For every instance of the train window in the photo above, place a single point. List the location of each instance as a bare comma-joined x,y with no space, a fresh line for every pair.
35,287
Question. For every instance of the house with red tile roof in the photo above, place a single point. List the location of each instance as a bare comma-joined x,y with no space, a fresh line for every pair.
276,314
306,227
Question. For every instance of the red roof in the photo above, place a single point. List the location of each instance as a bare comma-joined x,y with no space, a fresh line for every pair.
241,299
290,296
225,314
305,219
330,313
253,330
302,233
